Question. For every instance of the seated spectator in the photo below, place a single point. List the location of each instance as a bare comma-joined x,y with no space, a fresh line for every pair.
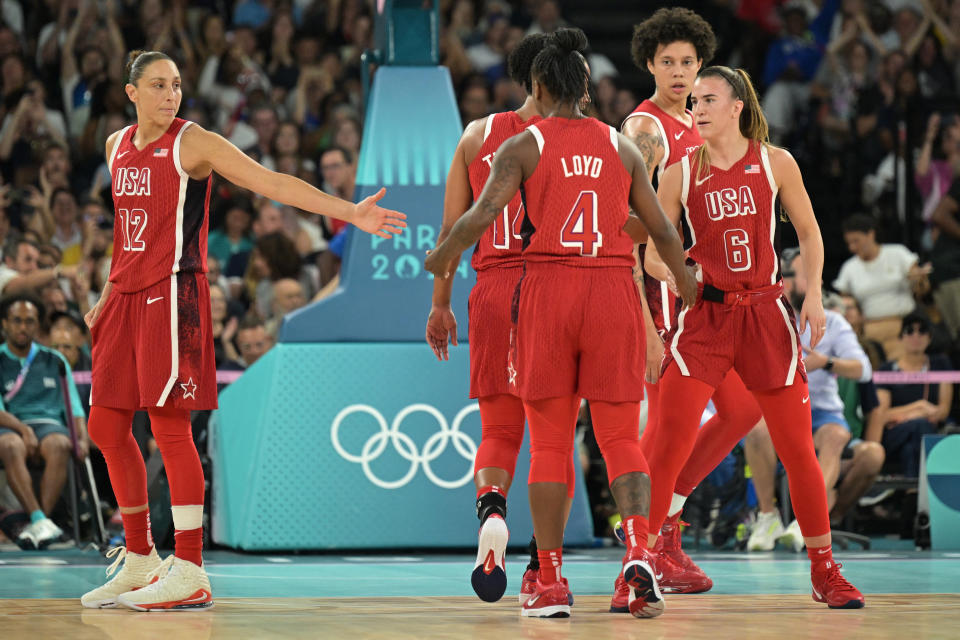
339,174
883,279
945,258
66,338
32,418
234,237
913,410
853,314
838,354
20,273
287,297
252,340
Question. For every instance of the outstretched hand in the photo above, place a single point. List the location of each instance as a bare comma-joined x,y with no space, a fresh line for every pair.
372,218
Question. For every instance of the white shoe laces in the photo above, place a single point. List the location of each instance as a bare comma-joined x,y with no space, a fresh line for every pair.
121,553
162,570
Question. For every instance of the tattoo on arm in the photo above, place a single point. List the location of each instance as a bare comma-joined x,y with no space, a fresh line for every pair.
649,144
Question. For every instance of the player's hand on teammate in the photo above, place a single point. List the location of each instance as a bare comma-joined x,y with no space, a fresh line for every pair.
437,262
654,358
687,288
372,218
812,312
441,331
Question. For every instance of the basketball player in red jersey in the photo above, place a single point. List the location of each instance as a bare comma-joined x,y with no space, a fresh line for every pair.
498,264
672,45
726,190
580,178
152,341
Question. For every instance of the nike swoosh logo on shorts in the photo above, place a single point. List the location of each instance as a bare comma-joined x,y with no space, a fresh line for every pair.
806,400
152,300
700,182
677,137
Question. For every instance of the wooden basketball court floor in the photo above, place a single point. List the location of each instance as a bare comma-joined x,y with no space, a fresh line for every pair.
910,595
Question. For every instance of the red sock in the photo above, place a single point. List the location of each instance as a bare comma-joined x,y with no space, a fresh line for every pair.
820,557
136,529
550,561
491,488
188,545
636,528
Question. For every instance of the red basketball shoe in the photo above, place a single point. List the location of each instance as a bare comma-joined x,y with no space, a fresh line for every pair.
529,585
645,599
548,601
831,587
620,602
676,572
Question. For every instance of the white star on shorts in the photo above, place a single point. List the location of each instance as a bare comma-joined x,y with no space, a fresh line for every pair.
189,389
512,373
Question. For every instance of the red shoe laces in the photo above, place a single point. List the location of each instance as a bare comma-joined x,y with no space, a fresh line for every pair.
835,579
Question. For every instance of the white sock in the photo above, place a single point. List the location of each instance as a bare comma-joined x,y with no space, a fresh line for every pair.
676,504
188,516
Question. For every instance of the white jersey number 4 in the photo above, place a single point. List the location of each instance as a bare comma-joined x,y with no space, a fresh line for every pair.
581,229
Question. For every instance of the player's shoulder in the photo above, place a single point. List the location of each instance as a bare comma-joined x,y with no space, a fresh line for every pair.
779,157
193,133
475,129
641,121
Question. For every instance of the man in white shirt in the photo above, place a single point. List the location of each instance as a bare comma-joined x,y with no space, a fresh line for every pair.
883,279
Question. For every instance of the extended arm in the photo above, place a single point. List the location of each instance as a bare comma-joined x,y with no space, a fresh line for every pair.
203,151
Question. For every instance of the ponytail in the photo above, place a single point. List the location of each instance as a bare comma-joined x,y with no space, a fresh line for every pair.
753,124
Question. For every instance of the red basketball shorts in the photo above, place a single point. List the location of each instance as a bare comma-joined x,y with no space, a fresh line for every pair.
579,331
760,341
154,348
490,324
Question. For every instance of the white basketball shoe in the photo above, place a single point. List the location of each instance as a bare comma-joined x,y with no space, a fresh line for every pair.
181,586
133,575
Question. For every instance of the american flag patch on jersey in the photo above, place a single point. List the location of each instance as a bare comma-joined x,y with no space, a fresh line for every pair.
750,168
162,153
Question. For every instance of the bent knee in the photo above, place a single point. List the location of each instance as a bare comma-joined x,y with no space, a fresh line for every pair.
871,453
55,445
12,447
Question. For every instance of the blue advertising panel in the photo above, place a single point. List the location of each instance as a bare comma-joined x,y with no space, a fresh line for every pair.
328,446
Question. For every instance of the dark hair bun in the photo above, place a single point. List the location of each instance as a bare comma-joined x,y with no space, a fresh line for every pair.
570,39
131,58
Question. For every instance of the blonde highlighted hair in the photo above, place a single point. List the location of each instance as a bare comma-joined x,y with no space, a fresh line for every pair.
753,124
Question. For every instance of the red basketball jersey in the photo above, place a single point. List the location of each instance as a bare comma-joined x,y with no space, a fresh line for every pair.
732,221
678,139
160,220
578,198
501,243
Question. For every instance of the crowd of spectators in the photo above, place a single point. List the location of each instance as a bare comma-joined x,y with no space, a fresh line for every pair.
865,94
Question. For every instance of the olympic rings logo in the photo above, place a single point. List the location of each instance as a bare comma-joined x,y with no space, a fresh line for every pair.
433,448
